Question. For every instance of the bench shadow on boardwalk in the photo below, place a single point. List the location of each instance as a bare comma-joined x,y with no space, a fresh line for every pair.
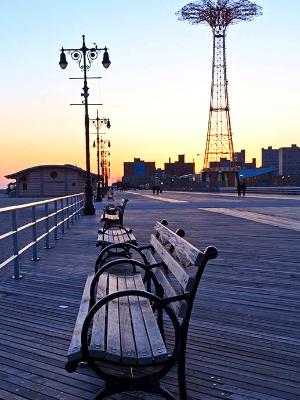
244,335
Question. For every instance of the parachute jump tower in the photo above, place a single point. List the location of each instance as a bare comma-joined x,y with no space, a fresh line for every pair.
219,14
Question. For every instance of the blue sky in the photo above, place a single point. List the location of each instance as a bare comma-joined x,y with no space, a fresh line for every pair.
156,91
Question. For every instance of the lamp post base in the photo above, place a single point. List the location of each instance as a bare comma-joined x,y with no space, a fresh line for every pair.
89,208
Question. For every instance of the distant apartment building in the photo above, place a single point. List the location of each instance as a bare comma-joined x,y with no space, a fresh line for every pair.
289,161
138,172
286,160
270,158
240,160
180,167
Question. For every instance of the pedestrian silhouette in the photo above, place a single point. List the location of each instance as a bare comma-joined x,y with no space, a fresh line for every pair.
239,189
157,190
243,188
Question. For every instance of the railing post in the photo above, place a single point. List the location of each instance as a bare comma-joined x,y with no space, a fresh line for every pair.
68,213
80,205
15,245
62,216
76,208
55,220
47,242
72,210
34,235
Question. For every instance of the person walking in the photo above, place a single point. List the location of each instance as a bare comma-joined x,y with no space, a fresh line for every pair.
239,189
243,188
157,190
153,189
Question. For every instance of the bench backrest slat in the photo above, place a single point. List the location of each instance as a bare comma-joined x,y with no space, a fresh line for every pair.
172,264
179,307
186,253
182,266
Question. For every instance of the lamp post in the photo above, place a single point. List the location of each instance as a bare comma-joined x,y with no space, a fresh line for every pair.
105,164
98,122
85,56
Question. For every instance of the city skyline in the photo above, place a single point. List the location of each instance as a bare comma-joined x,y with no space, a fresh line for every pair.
156,92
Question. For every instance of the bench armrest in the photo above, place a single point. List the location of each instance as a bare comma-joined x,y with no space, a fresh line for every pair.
105,267
157,301
122,246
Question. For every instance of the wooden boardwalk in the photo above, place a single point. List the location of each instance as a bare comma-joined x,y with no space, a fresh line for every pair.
244,337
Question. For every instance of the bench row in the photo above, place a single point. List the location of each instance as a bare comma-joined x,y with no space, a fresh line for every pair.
135,292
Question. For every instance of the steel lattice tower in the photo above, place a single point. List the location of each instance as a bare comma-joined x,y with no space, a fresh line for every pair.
219,14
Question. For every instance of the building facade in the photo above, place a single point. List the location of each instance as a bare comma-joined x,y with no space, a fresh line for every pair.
138,172
286,160
240,160
270,158
289,161
49,181
180,167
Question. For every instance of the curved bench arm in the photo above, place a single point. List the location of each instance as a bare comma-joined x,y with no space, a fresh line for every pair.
158,302
133,262
125,246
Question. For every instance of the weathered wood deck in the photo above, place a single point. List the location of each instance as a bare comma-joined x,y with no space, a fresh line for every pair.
244,336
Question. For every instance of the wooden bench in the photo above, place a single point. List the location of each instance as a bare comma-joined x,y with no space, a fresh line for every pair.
115,235
119,330
113,215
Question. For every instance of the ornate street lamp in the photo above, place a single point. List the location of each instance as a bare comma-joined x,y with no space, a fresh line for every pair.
85,56
98,122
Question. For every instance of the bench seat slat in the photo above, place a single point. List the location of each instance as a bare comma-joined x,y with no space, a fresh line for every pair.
143,348
158,347
97,346
174,266
74,352
112,235
113,350
126,331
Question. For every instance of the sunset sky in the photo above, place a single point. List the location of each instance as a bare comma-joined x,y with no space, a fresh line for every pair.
156,92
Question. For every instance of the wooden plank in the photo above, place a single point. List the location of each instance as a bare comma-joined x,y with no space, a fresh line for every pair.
184,249
158,347
113,348
74,352
179,307
174,266
127,338
98,338
143,348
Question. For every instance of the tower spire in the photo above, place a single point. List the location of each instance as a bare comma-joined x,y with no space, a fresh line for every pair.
219,14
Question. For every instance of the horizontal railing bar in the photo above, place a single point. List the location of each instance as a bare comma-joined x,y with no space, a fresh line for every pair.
7,234
8,260
28,246
74,207
41,237
21,228
38,203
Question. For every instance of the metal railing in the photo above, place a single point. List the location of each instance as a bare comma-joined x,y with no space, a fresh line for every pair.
47,216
